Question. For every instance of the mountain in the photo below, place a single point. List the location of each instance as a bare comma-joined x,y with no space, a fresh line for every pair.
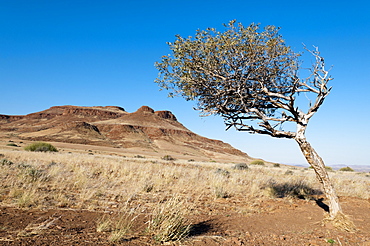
111,126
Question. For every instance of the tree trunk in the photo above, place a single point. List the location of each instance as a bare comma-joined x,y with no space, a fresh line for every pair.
321,174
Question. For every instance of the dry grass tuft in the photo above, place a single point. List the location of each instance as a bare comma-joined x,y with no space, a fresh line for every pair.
104,224
341,222
118,225
168,221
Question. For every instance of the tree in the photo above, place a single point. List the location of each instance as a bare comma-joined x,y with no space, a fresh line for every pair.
250,77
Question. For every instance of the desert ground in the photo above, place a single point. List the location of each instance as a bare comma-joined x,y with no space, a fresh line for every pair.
94,195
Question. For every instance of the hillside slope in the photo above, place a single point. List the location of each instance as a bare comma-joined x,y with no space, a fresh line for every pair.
110,126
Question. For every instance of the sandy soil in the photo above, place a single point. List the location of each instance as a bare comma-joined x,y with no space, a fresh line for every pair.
279,222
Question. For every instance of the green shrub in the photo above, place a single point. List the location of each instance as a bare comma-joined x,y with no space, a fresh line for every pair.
326,167
346,169
258,162
41,147
329,168
240,166
168,158
12,145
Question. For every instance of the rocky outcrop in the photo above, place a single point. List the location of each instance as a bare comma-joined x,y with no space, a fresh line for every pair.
145,109
166,115
96,113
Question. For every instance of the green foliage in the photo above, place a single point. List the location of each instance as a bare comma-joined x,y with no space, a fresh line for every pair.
346,169
331,241
257,162
223,71
41,147
330,169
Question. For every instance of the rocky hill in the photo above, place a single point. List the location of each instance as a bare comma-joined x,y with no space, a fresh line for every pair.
110,126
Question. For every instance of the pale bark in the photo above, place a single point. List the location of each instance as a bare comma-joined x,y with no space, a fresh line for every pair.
322,175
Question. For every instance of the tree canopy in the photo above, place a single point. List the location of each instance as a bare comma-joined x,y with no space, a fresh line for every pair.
242,74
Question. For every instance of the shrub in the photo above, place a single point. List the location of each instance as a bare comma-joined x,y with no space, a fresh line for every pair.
294,189
240,166
223,172
330,169
168,158
289,172
220,192
346,169
276,165
32,174
41,146
139,156
5,162
258,162
148,186
12,145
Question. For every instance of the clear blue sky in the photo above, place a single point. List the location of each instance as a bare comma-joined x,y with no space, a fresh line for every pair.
102,53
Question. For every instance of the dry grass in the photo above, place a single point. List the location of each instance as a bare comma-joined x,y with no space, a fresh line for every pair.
121,224
169,220
39,228
342,222
103,182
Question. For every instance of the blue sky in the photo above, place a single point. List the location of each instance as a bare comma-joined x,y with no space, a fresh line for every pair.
102,53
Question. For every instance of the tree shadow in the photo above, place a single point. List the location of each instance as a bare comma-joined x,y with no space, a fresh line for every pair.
295,189
200,228
322,205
